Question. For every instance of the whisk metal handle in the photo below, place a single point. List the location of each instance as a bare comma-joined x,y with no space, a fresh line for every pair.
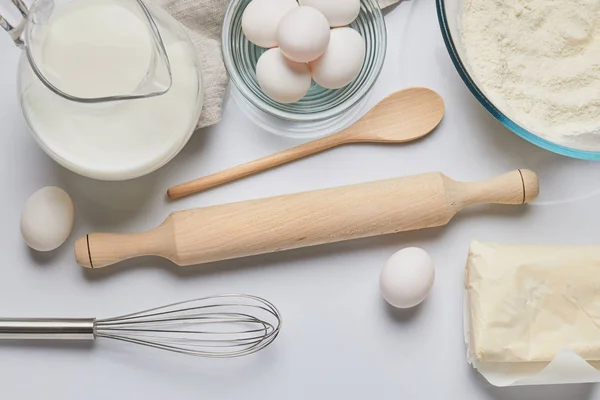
47,328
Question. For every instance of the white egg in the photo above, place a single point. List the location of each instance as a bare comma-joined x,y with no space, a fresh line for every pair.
407,277
303,34
47,219
337,12
342,61
281,79
261,18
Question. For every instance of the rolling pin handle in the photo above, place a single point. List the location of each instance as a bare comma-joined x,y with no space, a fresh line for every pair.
516,187
98,250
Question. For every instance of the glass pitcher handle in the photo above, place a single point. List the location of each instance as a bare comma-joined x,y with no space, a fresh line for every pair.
16,32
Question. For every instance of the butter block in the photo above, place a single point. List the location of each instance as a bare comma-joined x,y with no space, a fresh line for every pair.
527,303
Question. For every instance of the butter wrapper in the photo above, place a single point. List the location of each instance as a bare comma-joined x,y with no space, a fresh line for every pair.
566,367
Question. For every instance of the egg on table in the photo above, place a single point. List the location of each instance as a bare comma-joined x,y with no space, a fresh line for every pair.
342,61
281,79
337,12
303,34
47,219
261,18
407,277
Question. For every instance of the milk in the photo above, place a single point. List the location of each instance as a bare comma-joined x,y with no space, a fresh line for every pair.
112,52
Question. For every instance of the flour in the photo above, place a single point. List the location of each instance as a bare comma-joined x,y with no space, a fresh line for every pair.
539,62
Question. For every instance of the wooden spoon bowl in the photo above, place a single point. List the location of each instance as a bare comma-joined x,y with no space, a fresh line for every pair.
401,117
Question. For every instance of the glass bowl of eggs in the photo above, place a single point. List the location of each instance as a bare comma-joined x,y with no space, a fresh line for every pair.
311,77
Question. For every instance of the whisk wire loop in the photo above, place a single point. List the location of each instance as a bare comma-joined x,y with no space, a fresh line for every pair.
218,327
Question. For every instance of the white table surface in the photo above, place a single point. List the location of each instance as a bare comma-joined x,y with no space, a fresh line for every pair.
339,339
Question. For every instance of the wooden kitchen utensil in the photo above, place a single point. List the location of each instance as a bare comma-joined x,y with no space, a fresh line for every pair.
305,219
401,117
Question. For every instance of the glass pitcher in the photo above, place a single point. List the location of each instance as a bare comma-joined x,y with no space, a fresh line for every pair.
111,89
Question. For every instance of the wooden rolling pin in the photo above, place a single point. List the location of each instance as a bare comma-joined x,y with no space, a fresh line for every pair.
305,219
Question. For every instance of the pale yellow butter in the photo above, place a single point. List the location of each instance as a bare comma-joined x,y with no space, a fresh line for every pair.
526,303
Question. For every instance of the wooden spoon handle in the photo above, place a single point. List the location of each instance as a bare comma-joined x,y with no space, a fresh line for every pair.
260,165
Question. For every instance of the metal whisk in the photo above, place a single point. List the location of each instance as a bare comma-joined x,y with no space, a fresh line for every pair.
218,326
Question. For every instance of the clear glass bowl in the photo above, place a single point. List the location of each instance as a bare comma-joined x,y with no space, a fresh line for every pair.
449,14
321,111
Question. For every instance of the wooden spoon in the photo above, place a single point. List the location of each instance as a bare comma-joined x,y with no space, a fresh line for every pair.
401,117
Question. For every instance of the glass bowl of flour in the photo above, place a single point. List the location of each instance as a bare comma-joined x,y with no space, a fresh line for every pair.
534,65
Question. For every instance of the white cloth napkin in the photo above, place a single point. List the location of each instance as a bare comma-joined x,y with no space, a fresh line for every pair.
203,20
